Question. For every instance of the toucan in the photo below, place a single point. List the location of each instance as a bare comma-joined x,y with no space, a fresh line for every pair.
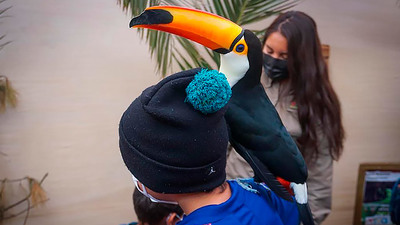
256,130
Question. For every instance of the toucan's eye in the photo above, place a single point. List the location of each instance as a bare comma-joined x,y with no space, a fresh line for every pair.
240,48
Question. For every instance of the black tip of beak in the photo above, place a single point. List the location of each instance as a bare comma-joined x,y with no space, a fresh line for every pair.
152,17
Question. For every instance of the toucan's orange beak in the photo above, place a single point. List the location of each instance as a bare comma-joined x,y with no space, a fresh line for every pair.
209,30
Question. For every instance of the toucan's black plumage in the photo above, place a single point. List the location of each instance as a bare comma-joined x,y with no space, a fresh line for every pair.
258,134
256,130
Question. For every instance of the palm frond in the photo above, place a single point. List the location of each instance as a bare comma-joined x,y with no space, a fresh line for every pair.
169,50
5,43
243,12
181,61
135,7
2,11
213,55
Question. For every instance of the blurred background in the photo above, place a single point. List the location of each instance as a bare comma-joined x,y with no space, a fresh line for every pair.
77,66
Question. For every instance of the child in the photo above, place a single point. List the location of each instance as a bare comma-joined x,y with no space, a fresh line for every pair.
173,140
150,213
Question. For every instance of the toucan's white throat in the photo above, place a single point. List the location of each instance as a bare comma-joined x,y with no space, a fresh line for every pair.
234,66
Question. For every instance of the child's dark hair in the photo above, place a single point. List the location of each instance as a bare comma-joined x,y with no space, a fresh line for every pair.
151,212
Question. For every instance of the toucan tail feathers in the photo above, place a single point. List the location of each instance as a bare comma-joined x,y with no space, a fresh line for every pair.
305,214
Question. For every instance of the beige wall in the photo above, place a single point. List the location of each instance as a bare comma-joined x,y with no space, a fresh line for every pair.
77,66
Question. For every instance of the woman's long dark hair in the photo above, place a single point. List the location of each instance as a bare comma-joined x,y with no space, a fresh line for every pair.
318,105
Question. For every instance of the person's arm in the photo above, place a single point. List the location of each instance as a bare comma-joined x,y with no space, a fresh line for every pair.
320,187
319,182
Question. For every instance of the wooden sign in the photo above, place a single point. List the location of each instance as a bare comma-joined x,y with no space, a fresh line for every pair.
376,182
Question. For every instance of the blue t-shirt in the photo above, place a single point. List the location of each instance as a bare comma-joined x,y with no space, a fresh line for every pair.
250,204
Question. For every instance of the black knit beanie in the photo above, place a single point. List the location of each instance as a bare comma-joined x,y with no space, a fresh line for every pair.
170,146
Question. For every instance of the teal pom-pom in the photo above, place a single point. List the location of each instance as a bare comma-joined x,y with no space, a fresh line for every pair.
209,91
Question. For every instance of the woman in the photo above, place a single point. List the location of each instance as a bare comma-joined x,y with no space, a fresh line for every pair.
297,83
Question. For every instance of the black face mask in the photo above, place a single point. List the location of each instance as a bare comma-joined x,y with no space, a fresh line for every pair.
276,69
